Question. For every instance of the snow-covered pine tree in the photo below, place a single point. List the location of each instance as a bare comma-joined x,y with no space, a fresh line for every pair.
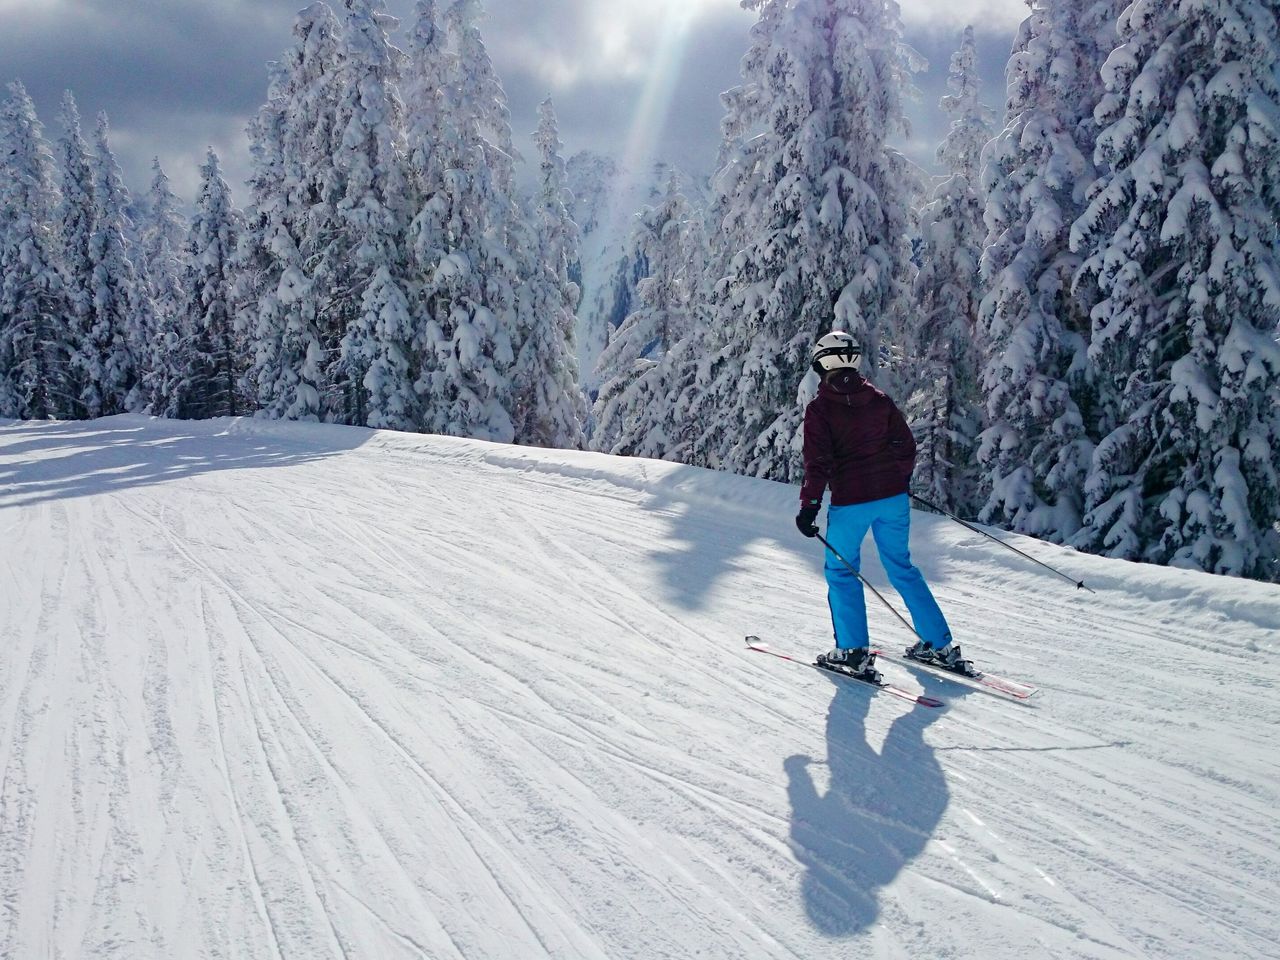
215,354
164,235
369,264
606,198
120,316
480,88
812,224
427,76
292,214
1180,237
941,363
670,241
34,312
427,73
74,229
465,384
1032,331
272,380
549,409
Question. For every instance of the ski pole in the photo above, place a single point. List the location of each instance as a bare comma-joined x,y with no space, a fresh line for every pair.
1080,584
866,583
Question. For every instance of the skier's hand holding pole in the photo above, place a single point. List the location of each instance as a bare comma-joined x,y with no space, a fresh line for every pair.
806,519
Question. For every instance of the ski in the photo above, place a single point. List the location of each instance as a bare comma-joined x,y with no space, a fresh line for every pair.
759,646
983,681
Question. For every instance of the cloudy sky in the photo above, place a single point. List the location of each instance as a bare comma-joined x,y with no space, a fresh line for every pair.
630,77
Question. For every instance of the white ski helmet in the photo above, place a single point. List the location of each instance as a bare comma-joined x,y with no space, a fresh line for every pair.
836,351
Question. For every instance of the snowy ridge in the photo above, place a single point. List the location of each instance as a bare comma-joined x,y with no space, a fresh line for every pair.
1188,591
616,476
289,690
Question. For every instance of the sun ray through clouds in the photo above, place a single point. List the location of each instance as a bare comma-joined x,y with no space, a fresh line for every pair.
661,73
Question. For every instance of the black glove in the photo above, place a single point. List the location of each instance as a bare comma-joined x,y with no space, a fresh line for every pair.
806,517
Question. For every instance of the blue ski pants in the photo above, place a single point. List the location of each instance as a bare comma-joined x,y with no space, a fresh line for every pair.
889,521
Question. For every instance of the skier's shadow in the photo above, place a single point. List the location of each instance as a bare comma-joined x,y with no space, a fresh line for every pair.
877,814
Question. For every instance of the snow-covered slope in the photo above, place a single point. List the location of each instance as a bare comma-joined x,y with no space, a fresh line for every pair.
310,692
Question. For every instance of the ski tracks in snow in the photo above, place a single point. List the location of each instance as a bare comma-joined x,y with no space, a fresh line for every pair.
427,698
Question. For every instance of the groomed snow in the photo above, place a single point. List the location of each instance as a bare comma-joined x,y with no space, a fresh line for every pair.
310,692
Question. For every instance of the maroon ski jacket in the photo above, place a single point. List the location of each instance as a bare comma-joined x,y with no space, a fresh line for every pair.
857,442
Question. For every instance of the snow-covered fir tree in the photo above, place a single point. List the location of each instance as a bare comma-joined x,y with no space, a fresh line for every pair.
811,227
74,230
548,407
211,350
606,198
292,213
369,261
163,238
427,76
1180,238
120,314
480,90
670,241
1032,331
35,336
273,375
942,402
468,332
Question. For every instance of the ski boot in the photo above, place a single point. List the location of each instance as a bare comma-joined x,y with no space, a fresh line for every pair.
947,658
858,662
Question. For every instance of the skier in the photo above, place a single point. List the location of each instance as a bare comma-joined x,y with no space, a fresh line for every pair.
857,442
